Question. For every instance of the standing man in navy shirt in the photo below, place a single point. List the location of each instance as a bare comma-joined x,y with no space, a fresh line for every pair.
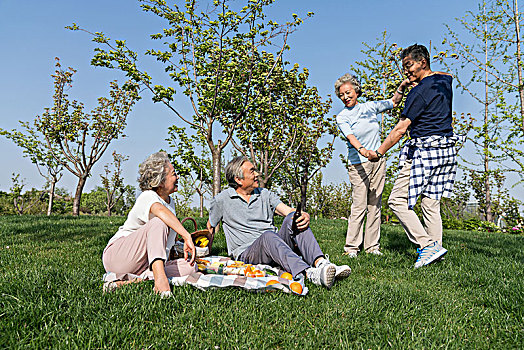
428,159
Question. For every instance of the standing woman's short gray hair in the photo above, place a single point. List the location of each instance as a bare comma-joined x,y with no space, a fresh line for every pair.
153,171
348,78
234,169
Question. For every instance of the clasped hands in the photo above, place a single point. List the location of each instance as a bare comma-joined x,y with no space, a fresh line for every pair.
371,155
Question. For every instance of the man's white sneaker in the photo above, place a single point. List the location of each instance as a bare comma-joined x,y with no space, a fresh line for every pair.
322,276
429,254
341,272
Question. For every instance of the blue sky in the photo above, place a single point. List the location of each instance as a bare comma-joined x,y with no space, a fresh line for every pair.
32,34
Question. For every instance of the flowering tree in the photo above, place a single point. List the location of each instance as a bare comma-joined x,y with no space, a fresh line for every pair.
213,55
113,182
77,139
36,149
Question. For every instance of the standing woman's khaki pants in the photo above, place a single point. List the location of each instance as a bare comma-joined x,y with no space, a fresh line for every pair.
367,180
135,253
422,235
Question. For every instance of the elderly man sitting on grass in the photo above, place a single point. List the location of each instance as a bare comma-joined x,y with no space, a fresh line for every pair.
247,211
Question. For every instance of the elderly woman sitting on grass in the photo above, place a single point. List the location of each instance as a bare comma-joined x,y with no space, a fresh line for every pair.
139,246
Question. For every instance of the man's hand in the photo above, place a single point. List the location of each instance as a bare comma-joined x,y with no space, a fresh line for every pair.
303,221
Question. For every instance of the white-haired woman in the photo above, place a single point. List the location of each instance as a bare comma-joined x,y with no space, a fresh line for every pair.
360,124
139,246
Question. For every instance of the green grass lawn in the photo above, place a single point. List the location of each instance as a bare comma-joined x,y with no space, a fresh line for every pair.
51,296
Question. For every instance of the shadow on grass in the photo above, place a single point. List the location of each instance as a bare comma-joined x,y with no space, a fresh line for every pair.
490,245
394,239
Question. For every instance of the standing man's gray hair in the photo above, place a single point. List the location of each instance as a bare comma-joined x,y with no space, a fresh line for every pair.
234,169
417,52
348,78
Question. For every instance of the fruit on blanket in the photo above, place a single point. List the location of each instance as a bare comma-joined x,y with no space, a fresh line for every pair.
251,271
235,264
270,282
287,276
296,287
202,241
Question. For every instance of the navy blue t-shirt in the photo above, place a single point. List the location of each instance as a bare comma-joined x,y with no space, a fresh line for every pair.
428,106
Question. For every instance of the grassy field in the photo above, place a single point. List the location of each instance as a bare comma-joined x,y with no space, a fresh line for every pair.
51,296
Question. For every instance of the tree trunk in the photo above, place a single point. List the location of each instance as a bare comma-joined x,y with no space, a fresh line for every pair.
217,167
201,195
486,140
78,195
303,188
262,181
516,20
51,197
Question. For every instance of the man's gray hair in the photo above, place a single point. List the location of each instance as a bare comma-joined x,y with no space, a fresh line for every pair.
152,172
234,169
417,52
348,78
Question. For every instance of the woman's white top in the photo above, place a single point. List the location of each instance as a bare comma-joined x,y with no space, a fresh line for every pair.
140,214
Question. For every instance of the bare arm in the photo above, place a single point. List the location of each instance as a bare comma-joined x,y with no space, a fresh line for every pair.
172,221
284,210
394,136
358,146
399,93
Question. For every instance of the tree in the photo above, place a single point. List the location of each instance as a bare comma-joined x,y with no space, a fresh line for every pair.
95,201
329,200
380,75
212,56
272,132
455,206
310,156
77,139
188,162
477,69
112,181
23,202
38,152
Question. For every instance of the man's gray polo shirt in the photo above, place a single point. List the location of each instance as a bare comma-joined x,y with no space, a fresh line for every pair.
243,222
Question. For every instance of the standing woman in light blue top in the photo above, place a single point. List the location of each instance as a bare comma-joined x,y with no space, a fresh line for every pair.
360,124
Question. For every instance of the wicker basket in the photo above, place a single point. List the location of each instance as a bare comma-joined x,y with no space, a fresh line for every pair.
177,249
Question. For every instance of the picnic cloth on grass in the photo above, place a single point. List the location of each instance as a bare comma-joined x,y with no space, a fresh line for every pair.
211,278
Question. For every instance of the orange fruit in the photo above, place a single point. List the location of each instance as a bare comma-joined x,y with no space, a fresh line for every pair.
287,276
270,282
259,273
296,287
250,274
